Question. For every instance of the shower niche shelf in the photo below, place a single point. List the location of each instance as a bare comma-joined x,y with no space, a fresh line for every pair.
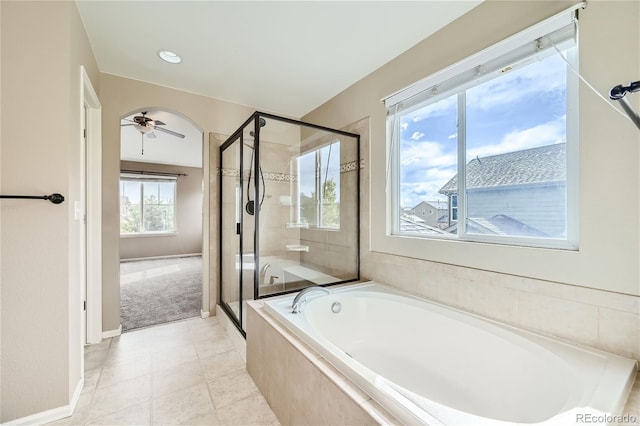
296,247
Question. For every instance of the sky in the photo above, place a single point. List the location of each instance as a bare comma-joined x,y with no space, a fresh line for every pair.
523,108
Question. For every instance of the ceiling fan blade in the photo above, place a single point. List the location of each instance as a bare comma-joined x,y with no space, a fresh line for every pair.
171,132
128,124
159,123
150,135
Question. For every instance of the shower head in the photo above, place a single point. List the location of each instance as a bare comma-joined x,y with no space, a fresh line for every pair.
262,122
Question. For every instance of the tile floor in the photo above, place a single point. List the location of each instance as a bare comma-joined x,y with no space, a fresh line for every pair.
186,372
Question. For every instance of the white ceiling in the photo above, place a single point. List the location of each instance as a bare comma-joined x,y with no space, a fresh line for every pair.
164,148
285,57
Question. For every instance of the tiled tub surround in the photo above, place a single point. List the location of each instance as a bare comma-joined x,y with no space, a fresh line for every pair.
512,375
301,387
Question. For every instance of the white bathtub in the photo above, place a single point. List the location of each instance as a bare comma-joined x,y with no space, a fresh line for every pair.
430,364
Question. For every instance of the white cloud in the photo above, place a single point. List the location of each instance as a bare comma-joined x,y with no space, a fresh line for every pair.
404,126
442,107
535,78
417,135
544,134
452,136
426,154
413,193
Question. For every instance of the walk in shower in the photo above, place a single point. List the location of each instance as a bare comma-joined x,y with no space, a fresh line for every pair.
289,210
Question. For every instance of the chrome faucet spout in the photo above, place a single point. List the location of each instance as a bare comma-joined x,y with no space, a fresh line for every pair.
263,273
301,297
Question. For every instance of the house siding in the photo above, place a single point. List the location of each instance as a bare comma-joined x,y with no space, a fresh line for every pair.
542,207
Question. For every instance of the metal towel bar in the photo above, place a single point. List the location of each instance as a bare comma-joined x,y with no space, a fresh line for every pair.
54,198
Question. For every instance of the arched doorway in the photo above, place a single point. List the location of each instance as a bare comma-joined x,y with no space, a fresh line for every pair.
161,184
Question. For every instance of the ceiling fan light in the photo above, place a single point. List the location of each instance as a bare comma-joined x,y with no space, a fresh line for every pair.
143,129
169,56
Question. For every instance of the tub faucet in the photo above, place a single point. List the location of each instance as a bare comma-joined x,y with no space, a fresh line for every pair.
302,297
263,273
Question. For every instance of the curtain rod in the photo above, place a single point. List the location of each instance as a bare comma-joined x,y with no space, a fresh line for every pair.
151,173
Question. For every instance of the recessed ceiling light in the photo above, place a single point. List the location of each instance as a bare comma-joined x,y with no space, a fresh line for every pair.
169,56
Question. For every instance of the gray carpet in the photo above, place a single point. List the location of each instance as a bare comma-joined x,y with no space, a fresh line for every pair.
159,291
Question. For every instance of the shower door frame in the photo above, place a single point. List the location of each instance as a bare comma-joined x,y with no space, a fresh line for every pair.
237,136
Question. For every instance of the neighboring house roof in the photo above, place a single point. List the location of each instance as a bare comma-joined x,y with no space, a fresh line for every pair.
413,218
407,225
438,205
534,165
499,224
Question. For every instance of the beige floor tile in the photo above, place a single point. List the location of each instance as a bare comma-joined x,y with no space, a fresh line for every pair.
116,397
93,360
135,415
232,387
115,372
207,332
170,374
179,377
91,379
165,358
221,364
253,410
102,346
182,406
208,348
209,419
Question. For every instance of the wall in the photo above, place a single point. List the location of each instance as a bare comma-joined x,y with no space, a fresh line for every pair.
188,239
43,46
588,296
120,96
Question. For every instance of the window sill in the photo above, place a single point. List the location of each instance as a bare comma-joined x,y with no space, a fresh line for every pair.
149,234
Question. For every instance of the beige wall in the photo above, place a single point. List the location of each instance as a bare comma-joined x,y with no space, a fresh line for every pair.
120,96
188,239
43,46
574,295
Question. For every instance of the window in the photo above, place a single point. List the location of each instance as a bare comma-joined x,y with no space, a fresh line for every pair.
493,141
147,205
319,187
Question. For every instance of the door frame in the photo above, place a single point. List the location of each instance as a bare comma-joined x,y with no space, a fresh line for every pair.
92,181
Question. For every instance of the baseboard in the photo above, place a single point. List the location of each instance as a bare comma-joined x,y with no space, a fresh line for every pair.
52,415
169,256
205,314
112,333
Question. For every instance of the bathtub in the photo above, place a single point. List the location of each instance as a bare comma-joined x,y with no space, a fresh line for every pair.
430,364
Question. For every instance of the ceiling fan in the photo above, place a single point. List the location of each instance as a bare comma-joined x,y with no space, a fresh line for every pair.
146,126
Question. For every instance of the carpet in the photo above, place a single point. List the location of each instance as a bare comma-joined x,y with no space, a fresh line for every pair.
159,291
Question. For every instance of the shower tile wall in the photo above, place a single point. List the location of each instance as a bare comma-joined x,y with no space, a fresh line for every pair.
277,211
335,251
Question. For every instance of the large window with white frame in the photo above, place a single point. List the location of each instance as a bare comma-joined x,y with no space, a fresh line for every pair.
147,205
494,139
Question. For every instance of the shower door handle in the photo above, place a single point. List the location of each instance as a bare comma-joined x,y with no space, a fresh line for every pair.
237,228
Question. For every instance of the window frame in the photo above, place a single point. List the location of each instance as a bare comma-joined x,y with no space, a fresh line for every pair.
141,180
319,211
425,93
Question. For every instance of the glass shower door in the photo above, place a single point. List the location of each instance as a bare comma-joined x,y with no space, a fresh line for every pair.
230,228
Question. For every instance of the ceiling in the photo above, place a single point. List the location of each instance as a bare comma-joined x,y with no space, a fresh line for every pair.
286,57
164,148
